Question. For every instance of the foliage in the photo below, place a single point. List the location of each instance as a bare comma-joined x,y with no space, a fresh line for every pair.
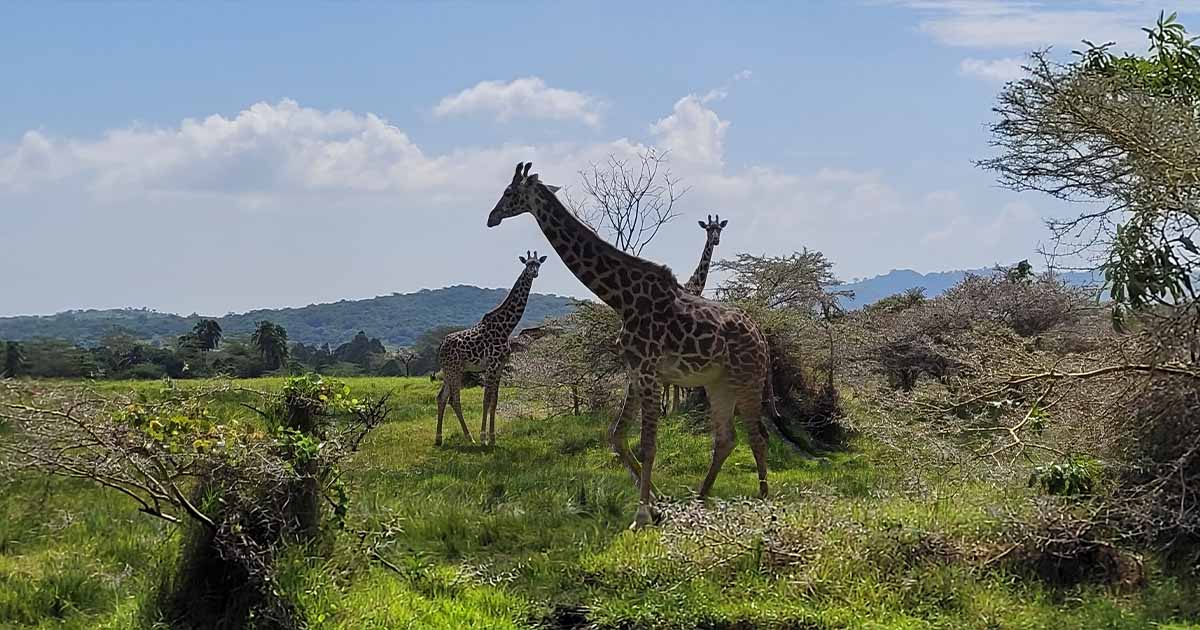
243,493
14,359
1076,475
271,341
1120,131
497,542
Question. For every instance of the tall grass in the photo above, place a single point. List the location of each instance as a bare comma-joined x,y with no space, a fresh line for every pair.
533,533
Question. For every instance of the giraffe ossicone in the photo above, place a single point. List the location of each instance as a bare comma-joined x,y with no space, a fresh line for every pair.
485,348
668,336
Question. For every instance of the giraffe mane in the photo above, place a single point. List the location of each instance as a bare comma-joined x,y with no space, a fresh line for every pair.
659,270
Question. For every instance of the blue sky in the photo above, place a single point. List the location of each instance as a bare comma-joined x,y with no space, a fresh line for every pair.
218,157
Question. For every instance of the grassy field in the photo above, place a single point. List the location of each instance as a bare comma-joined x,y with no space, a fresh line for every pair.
532,533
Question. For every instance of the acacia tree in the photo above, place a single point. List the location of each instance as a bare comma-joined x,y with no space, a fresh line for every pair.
1121,132
629,200
405,356
271,341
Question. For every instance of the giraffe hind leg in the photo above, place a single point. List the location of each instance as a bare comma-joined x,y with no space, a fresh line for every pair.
441,407
750,408
453,385
650,394
721,406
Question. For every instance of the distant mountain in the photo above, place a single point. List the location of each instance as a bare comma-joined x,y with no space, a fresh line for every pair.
870,290
396,319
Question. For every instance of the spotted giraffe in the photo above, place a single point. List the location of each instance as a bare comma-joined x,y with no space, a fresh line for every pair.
484,347
695,285
712,229
667,336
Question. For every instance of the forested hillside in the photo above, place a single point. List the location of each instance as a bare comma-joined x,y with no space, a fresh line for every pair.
396,319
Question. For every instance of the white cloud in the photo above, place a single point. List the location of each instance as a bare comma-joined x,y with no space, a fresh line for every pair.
693,133
1017,24
1004,69
270,187
525,97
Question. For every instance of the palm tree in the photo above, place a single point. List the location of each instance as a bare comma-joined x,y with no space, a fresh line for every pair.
14,359
271,341
208,333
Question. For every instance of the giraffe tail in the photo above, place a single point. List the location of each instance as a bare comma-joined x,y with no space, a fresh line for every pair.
801,443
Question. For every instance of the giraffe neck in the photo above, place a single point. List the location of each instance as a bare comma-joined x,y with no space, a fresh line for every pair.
617,278
695,284
505,317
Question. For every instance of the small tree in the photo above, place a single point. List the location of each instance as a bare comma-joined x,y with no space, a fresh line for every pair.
208,334
405,356
14,359
628,200
271,341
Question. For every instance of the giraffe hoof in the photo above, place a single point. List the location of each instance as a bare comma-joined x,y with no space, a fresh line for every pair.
643,519
437,441
763,491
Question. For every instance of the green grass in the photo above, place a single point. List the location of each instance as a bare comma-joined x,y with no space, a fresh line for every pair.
514,536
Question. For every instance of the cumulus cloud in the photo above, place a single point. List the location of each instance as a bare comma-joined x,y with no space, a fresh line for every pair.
528,97
271,186
1004,69
693,133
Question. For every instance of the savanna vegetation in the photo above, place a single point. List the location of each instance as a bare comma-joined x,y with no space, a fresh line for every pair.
1013,453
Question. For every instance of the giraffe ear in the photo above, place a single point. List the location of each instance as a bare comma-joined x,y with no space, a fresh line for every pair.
724,223
541,260
703,224
522,259
553,189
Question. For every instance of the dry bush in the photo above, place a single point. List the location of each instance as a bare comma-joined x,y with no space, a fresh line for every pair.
244,489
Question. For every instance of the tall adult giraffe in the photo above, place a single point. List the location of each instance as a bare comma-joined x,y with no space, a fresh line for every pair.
667,335
485,348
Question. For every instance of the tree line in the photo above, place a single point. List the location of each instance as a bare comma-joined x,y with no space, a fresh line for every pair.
206,351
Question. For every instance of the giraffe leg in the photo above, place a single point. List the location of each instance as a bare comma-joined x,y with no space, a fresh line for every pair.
442,398
495,403
651,395
617,431
491,393
453,385
750,408
722,400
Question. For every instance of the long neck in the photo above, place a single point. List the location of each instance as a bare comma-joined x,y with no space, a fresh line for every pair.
507,315
612,275
695,285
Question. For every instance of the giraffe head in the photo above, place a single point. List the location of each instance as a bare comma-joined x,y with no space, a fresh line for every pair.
520,195
714,227
531,262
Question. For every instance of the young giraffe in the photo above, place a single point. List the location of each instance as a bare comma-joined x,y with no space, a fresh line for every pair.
695,284
667,335
484,347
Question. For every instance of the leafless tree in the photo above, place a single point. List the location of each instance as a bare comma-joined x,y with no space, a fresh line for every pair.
628,200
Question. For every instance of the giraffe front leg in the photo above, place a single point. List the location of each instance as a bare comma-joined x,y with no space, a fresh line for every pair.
617,431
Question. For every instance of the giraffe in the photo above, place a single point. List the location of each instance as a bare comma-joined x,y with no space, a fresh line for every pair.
712,229
484,347
667,335
695,285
